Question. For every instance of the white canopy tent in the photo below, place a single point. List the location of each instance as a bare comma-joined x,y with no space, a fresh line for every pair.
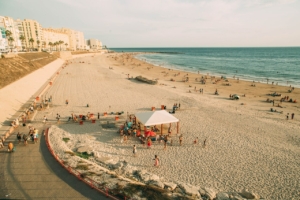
151,118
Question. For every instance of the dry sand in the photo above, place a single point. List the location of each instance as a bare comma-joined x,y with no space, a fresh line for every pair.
247,145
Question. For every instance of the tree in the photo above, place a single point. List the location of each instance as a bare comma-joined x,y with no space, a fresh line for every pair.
66,45
56,43
10,41
50,44
8,33
31,40
38,44
60,43
22,38
44,45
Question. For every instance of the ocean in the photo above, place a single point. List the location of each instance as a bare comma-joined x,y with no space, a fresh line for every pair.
280,65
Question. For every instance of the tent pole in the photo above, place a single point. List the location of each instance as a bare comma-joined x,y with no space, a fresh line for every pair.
144,129
177,127
161,129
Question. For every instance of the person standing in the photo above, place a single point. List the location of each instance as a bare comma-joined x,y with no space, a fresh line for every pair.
287,116
180,139
1,144
149,143
156,161
134,150
196,140
57,117
292,116
67,102
19,137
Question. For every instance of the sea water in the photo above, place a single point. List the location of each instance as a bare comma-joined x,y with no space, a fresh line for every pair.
280,65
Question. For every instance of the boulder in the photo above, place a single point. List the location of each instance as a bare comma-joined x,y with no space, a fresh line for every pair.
83,149
189,189
116,166
210,193
147,176
157,184
170,185
104,160
249,195
128,169
222,196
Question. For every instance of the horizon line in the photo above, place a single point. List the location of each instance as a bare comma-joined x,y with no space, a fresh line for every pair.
210,47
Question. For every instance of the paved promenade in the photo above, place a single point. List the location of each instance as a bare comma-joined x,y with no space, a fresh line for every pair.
31,172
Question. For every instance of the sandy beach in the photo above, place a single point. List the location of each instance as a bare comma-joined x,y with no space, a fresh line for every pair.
248,146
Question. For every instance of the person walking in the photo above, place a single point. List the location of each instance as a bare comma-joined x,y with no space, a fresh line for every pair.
45,119
204,143
25,138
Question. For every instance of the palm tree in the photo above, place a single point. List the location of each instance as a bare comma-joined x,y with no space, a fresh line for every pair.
50,44
10,40
8,33
44,45
38,44
31,40
22,38
56,43
66,45
60,43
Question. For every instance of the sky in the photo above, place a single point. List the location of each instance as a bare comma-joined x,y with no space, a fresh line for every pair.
169,23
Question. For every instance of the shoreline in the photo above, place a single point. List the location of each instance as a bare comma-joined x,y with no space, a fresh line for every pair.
230,75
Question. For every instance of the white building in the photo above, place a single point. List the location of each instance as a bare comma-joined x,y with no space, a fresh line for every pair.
94,44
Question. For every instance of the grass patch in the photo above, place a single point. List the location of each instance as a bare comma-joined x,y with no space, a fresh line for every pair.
66,139
84,155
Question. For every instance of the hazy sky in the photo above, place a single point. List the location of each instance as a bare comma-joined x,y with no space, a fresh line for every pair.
169,23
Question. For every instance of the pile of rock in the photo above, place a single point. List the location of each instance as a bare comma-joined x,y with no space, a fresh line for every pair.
172,190
145,80
122,179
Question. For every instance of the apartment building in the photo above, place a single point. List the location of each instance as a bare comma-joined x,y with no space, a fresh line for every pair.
13,41
51,35
94,44
76,39
33,34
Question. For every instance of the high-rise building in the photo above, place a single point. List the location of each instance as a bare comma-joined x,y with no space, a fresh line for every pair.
52,36
33,33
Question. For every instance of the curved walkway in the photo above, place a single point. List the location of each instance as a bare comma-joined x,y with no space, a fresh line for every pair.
32,173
